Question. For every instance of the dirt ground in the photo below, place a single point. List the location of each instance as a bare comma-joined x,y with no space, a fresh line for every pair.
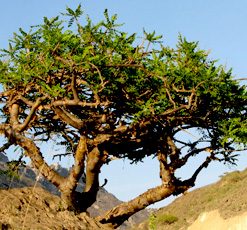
213,221
35,208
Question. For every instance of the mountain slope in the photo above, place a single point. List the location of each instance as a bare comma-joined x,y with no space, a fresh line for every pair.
35,208
29,177
228,196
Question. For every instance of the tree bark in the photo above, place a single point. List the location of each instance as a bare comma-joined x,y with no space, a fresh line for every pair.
122,212
69,197
95,159
35,155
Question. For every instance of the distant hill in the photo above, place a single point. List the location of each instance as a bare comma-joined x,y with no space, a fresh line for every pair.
228,197
29,177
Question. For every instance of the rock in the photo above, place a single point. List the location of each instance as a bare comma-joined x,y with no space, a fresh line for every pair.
3,158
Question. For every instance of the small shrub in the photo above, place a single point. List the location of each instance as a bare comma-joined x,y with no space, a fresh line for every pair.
166,219
152,222
10,173
161,220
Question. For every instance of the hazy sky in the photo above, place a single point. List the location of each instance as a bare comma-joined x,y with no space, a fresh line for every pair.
219,26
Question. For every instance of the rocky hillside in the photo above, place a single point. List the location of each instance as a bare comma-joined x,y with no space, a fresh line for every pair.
27,178
220,204
35,208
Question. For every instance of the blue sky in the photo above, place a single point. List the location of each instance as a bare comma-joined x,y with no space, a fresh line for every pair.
219,26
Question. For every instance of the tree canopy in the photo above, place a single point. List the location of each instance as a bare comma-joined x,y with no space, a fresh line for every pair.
103,93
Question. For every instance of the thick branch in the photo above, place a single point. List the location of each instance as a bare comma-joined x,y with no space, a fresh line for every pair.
181,162
95,159
14,113
73,88
78,168
174,153
80,103
3,129
172,111
30,115
35,155
122,212
26,101
5,146
6,93
94,162
69,196
165,174
199,169
69,118
191,182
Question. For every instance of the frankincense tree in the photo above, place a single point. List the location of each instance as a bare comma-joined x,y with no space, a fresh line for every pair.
92,88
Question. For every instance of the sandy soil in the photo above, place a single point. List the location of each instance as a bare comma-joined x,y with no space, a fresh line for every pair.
213,221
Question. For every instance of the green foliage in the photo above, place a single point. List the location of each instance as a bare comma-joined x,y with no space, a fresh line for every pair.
10,173
64,58
13,169
70,81
163,219
234,130
152,222
167,219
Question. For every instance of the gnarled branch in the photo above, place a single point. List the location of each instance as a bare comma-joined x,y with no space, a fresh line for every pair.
31,114
69,118
122,212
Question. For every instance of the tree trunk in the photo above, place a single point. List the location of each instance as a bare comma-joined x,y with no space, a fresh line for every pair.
69,196
122,212
95,160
